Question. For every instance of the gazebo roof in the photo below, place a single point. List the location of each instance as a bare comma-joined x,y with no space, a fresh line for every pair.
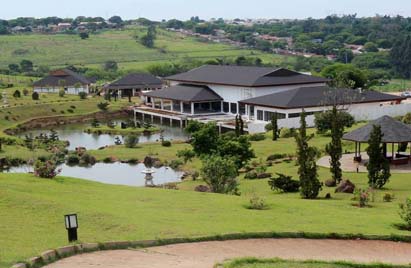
393,130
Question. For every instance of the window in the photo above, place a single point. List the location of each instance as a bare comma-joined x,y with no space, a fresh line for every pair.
259,115
226,107
233,108
269,115
294,115
242,108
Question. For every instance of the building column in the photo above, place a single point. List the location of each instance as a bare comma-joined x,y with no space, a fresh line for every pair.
161,104
263,115
222,106
153,105
229,107
238,108
172,106
192,108
181,107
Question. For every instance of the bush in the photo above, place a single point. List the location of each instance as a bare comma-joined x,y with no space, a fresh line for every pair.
268,127
166,143
82,95
131,141
405,212
103,106
287,132
87,159
323,120
35,96
176,164
251,175
220,174
72,159
70,111
257,137
388,197
362,196
62,92
47,169
17,94
25,92
274,157
284,183
257,203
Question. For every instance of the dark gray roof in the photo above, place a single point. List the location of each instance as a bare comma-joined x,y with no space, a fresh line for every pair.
245,76
304,97
136,80
185,93
69,77
394,131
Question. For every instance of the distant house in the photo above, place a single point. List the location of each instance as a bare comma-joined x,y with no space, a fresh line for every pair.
63,26
71,82
135,83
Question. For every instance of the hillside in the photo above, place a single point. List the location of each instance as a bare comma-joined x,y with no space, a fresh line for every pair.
63,49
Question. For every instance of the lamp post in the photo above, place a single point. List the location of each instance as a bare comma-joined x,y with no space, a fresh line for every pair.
71,226
148,176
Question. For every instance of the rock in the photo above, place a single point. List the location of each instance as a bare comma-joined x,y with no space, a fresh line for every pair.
346,186
66,251
86,247
35,261
19,265
330,183
116,244
158,164
48,255
202,189
149,161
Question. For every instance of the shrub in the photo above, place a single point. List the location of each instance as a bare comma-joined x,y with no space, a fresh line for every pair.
25,92
287,132
62,92
274,157
268,127
53,110
405,212
87,159
186,154
131,141
103,106
284,183
35,96
70,111
323,120
251,175
166,143
257,203
388,197
176,164
72,159
17,94
73,107
362,196
108,160
220,174
47,169
257,137
82,95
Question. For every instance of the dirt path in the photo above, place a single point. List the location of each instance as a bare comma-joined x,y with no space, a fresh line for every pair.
206,254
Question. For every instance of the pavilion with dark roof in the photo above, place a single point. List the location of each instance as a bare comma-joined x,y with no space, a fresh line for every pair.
66,79
135,83
394,132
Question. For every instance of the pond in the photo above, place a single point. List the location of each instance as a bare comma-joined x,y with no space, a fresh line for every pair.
74,133
114,173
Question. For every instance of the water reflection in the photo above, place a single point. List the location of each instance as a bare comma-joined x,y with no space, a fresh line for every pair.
115,173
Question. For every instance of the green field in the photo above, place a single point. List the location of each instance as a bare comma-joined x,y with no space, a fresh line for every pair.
278,263
62,49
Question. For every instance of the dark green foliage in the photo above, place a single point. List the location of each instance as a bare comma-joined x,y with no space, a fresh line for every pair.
347,72
220,174
401,56
276,157
257,137
95,123
205,139
306,161
405,212
323,121
131,141
186,154
239,125
84,35
110,66
166,143
26,66
284,183
148,39
176,164
73,159
274,125
193,126
53,135
334,148
82,95
17,94
239,149
103,106
378,166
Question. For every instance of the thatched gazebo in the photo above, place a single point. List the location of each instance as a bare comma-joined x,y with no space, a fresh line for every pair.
394,132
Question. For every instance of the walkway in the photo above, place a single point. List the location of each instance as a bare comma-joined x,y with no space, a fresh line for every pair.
348,165
206,254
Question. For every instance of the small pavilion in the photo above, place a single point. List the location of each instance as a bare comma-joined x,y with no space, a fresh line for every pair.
394,132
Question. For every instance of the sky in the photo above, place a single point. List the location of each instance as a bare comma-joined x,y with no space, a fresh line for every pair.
205,9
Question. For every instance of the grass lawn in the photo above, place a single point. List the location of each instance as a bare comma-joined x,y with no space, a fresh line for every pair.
278,263
395,85
62,49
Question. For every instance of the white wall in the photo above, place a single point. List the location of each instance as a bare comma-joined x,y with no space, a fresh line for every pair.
70,90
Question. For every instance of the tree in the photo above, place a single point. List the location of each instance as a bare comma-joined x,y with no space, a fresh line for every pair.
116,19
84,35
220,174
131,141
15,68
35,96
346,72
148,39
17,94
401,56
345,55
187,155
62,92
110,65
378,166
236,148
26,66
307,167
82,95
334,148
323,121
205,140
274,125
371,47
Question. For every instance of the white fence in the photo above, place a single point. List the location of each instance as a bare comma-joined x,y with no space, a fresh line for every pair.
359,112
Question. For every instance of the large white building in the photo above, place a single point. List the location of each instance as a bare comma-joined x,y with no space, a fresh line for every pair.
257,93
